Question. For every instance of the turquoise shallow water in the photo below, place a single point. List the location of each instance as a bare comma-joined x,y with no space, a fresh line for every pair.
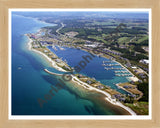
30,82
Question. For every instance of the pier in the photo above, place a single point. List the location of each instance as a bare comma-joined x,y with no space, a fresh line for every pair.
61,48
110,64
112,68
54,47
123,75
121,71
46,70
107,62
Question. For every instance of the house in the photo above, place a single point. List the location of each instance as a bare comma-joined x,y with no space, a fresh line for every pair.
144,61
122,99
111,51
58,60
128,64
43,43
67,67
117,96
89,82
49,54
79,76
142,75
33,36
122,46
53,57
126,86
88,42
100,87
49,42
35,46
140,81
45,51
134,67
132,82
91,45
132,95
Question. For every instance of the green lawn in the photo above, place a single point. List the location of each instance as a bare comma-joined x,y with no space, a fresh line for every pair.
98,38
141,108
103,23
142,39
123,39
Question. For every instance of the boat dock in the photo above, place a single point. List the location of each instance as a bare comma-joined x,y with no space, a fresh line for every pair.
54,47
121,71
123,75
112,68
61,48
110,64
107,62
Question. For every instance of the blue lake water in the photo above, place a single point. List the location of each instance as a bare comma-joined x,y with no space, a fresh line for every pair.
93,68
30,81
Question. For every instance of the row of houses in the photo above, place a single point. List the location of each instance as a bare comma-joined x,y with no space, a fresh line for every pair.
112,52
44,43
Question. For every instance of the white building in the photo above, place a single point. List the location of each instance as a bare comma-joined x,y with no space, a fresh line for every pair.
91,45
144,61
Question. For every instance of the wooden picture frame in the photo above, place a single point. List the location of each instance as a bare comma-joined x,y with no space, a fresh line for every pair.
154,5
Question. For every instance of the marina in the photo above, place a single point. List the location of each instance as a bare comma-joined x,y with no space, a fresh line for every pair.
61,48
110,64
54,47
123,75
107,62
113,68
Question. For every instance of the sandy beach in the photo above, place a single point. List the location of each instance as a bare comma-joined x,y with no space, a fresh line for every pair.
133,78
53,63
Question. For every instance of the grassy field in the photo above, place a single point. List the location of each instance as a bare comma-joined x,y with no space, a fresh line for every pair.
98,38
141,108
142,39
123,40
111,22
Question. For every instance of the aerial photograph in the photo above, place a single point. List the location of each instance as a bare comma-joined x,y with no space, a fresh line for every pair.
79,62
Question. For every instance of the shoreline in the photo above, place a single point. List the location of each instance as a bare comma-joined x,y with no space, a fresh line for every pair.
88,87
53,63
76,80
122,88
108,96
